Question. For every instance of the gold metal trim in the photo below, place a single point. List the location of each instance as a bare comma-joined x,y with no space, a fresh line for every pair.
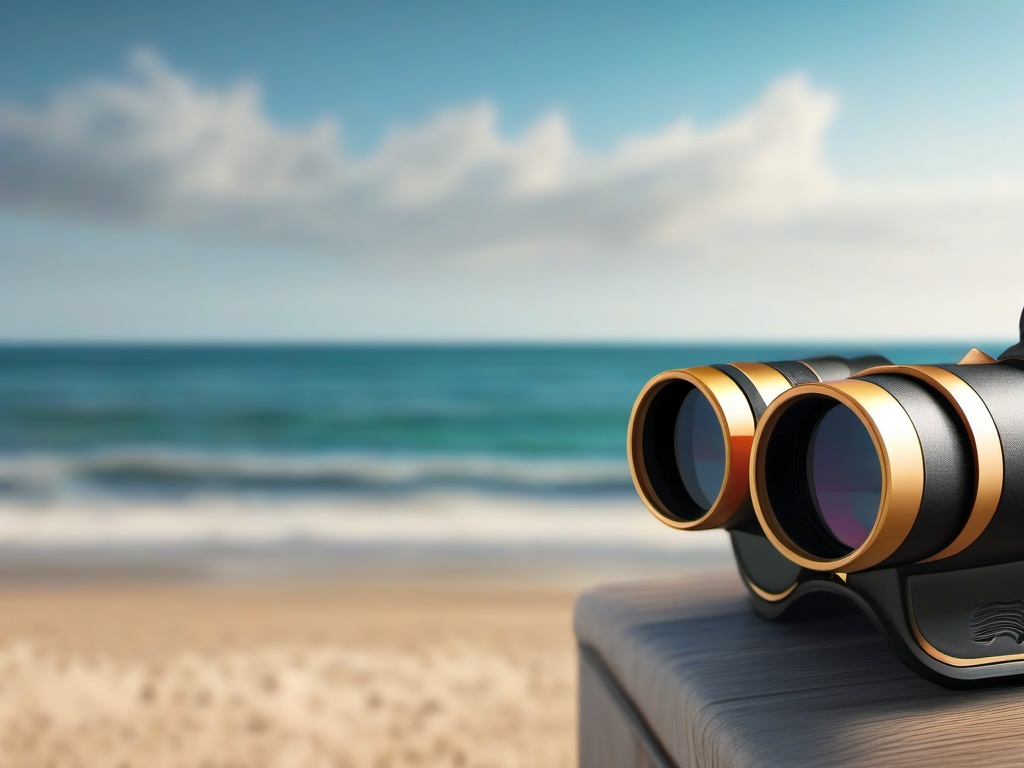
901,457
737,422
766,380
771,597
945,658
977,357
986,446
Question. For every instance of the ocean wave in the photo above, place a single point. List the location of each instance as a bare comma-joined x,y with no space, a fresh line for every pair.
450,521
163,472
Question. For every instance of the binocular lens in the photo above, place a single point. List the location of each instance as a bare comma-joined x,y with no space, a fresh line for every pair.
692,429
875,470
845,476
700,449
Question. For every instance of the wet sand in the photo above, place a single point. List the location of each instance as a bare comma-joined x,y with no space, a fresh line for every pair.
157,675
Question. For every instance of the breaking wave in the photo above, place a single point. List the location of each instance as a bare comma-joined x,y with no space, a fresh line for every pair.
180,473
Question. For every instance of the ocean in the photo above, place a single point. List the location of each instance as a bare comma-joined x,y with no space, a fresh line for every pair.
361,446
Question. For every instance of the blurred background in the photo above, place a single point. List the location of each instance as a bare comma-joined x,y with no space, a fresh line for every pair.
320,325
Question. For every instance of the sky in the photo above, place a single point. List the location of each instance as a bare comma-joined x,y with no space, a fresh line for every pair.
511,171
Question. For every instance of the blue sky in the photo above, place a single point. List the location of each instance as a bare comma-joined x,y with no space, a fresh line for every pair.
918,79
921,95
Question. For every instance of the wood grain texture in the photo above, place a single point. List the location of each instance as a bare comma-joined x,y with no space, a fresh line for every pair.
720,686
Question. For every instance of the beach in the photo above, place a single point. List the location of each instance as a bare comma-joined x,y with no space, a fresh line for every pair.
309,652
249,556
179,635
158,675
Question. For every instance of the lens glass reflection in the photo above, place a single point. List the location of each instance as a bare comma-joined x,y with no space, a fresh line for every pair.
845,476
700,449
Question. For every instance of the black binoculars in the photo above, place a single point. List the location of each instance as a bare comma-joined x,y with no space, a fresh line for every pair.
897,487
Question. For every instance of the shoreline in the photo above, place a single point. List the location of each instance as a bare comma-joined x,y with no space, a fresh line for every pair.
438,537
309,564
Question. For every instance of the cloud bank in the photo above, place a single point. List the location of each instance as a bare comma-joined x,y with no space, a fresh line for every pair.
730,212
156,149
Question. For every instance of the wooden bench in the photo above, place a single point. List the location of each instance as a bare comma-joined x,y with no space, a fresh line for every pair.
683,673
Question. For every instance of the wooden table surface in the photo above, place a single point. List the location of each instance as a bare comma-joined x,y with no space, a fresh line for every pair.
717,685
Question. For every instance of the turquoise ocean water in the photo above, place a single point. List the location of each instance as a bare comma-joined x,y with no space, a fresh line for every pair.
352,448
172,422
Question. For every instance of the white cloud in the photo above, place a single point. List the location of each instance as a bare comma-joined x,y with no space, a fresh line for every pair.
154,148
746,214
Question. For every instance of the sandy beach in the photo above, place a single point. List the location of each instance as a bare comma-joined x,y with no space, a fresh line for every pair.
228,650
311,675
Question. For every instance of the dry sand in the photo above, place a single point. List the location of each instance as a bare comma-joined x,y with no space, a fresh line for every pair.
305,676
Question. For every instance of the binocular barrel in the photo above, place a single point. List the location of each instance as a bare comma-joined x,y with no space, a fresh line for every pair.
898,465
899,488
691,433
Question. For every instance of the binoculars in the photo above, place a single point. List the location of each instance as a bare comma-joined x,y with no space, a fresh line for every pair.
897,487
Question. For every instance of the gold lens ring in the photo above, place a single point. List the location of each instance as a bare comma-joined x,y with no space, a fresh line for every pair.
901,457
985,444
768,382
737,423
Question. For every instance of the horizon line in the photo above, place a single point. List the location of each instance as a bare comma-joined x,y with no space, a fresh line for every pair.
497,342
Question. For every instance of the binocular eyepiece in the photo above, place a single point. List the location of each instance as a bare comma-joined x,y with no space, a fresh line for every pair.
899,465
897,487
863,464
691,433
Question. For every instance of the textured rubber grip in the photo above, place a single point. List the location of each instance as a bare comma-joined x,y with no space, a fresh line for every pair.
795,372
